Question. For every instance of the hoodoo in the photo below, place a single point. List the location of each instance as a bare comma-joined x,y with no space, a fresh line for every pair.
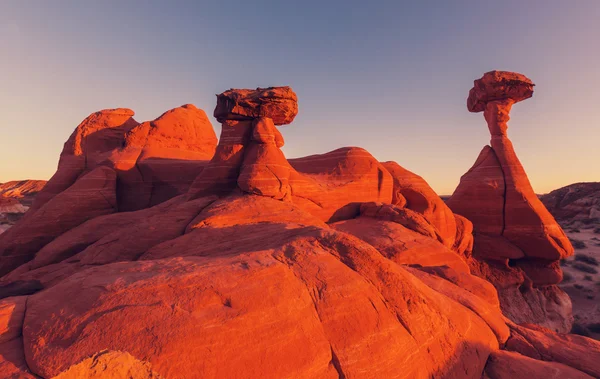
518,244
156,253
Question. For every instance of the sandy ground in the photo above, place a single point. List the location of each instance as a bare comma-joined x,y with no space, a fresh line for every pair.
584,287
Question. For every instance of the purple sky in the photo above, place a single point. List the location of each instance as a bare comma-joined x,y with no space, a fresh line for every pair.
391,77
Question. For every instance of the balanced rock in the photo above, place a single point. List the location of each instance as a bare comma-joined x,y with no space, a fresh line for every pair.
328,266
511,224
248,156
277,103
499,85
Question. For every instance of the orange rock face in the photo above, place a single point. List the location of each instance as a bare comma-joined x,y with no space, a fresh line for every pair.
511,224
328,266
499,85
277,103
110,365
111,163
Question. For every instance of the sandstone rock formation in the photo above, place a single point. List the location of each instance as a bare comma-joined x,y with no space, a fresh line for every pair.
328,266
576,204
15,199
112,163
110,365
517,241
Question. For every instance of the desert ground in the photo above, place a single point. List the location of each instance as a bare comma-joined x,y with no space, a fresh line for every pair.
582,278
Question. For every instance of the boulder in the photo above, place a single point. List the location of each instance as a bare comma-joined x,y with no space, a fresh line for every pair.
277,103
499,85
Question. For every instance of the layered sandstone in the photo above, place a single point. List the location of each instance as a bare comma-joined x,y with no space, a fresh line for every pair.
511,225
328,266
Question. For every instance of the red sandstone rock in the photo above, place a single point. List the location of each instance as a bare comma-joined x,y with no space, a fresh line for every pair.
499,85
421,198
110,365
19,288
248,285
22,189
332,185
579,352
509,221
491,315
278,103
154,160
161,158
507,365
520,301
220,175
405,217
463,242
477,286
230,296
93,195
90,232
575,202
400,244
480,195
265,171
12,359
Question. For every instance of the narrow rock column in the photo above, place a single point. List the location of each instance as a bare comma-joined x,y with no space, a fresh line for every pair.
517,242
265,170
248,156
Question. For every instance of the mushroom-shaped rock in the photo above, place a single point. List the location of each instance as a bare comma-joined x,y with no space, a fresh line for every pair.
499,85
278,103
509,221
248,155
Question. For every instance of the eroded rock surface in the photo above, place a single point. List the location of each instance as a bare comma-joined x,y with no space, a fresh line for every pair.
511,225
328,266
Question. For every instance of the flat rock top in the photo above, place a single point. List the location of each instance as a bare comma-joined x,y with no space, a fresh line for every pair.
499,85
277,103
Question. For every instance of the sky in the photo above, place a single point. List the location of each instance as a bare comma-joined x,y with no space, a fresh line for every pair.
391,77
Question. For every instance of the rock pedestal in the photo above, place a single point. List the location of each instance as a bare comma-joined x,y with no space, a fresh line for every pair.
511,225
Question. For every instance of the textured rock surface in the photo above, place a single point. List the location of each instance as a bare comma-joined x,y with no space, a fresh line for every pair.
576,351
315,270
277,103
507,365
511,225
498,85
93,195
577,203
328,266
15,199
420,197
12,357
112,163
154,160
110,365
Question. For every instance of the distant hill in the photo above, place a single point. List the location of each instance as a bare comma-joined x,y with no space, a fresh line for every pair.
15,199
575,203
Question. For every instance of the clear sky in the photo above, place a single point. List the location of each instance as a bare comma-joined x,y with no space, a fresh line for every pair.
391,77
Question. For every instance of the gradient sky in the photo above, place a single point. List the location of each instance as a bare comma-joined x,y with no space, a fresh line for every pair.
391,77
